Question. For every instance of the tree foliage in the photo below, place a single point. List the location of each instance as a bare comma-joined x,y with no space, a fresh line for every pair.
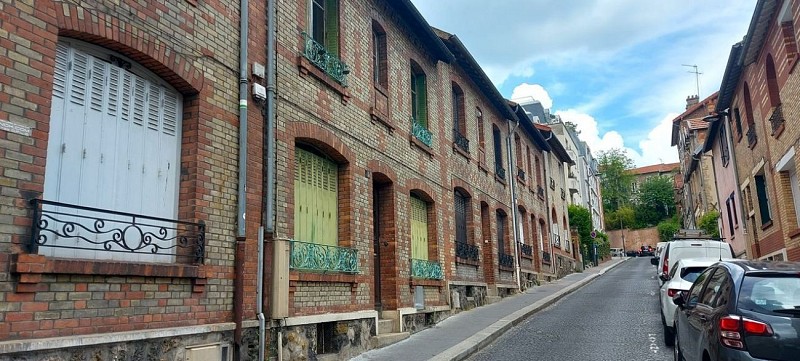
709,223
624,217
668,228
581,219
654,201
616,178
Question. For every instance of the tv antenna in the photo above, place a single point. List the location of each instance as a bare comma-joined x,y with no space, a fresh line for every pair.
696,76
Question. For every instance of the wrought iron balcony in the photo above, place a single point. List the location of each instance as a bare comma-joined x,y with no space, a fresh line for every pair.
466,251
751,135
563,194
62,225
540,192
776,119
421,268
546,257
557,240
552,184
500,171
460,140
319,257
526,250
421,132
505,260
521,174
329,63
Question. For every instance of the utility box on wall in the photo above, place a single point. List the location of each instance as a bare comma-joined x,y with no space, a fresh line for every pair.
279,297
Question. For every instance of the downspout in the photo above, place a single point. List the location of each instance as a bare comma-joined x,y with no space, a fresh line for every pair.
269,203
238,294
547,205
514,218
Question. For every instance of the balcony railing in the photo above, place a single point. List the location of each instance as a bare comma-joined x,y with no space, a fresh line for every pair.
319,257
421,132
421,268
329,63
540,192
563,194
460,140
505,260
552,184
546,257
557,240
521,174
500,171
751,136
527,250
62,225
776,119
466,251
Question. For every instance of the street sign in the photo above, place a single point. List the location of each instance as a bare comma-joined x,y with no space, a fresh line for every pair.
594,234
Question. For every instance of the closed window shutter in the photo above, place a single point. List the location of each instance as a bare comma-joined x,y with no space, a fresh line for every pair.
419,229
422,100
332,26
461,217
763,201
316,199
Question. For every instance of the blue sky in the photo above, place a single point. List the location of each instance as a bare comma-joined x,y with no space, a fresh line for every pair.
613,67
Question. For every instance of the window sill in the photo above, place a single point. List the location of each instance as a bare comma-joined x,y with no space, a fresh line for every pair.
424,147
530,257
31,267
794,234
377,117
483,167
463,153
426,282
500,180
467,261
766,225
307,68
506,269
777,133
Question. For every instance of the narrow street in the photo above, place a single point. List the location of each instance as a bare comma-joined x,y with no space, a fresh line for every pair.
615,317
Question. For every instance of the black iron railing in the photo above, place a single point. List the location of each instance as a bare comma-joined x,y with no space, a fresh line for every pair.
62,225
563,194
751,135
521,174
500,171
776,119
546,257
328,62
552,184
460,140
505,260
527,250
540,192
466,251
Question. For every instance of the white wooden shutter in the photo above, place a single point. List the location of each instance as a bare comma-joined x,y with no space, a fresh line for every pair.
114,143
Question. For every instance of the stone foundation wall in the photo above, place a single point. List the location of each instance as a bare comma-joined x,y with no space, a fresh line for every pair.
346,339
469,297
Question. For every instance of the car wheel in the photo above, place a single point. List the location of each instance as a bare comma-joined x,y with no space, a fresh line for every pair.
677,355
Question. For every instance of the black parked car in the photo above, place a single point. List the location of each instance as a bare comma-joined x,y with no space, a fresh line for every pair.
740,310
646,251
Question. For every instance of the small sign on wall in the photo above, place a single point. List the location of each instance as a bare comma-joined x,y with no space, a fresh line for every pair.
15,128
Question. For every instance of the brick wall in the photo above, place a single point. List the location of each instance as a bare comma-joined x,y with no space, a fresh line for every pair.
192,46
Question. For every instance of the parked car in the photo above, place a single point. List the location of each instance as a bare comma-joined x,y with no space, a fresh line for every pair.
657,253
691,248
740,310
646,251
681,277
632,253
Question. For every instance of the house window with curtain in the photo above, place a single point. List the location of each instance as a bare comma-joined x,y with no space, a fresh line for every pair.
315,198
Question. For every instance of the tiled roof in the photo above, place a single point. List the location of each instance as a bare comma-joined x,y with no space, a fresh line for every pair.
696,123
657,168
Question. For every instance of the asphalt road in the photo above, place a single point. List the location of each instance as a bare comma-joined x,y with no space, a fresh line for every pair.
615,317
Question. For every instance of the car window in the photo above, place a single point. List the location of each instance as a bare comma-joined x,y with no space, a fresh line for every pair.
672,272
770,294
690,274
714,285
724,294
694,292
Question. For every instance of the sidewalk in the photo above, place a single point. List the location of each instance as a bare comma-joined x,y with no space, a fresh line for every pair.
460,335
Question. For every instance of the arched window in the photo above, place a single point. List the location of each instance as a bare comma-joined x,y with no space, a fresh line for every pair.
459,121
380,72
500,170
776,115
419,95
316,197
748,112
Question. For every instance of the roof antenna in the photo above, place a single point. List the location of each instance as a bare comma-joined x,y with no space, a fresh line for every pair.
696,76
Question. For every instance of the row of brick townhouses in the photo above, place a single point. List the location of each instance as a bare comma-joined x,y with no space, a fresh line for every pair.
752,133
168,193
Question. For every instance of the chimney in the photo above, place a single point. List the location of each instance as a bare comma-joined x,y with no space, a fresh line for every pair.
692,100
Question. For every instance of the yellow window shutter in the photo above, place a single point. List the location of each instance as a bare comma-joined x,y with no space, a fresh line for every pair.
419,229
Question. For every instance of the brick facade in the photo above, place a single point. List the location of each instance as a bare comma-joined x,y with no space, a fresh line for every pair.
192,47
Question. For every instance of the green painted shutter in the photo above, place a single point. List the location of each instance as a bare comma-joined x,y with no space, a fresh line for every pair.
315,198
332,26
422,100
419,229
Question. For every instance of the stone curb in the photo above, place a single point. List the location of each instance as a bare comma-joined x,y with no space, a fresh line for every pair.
478,341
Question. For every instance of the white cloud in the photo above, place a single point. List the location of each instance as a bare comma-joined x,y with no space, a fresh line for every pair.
535,91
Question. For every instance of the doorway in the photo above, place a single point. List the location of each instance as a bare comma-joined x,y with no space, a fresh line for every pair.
383,242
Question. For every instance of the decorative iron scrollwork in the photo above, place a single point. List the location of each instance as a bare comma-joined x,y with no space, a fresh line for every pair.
505,260
320,257
421,268
546,257
421,132
500,171
62,225
322,58
460,140
466,251
526,250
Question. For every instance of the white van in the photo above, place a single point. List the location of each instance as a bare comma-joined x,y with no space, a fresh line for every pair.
691,248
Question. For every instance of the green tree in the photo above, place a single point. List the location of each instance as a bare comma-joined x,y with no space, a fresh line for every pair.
709,223
655,201
624,217
581,219
668,228
616,178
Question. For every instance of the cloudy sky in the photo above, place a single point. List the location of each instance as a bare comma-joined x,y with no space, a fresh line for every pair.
613,67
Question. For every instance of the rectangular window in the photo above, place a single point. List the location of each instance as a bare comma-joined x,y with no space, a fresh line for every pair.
324,24
461,205
315,198
501,233
725,155
737,117
419,97
380,74
728,206
763,199
419,229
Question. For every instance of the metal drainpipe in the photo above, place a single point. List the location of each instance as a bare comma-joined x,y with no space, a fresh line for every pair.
547,206
242,201
514,218
271,82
